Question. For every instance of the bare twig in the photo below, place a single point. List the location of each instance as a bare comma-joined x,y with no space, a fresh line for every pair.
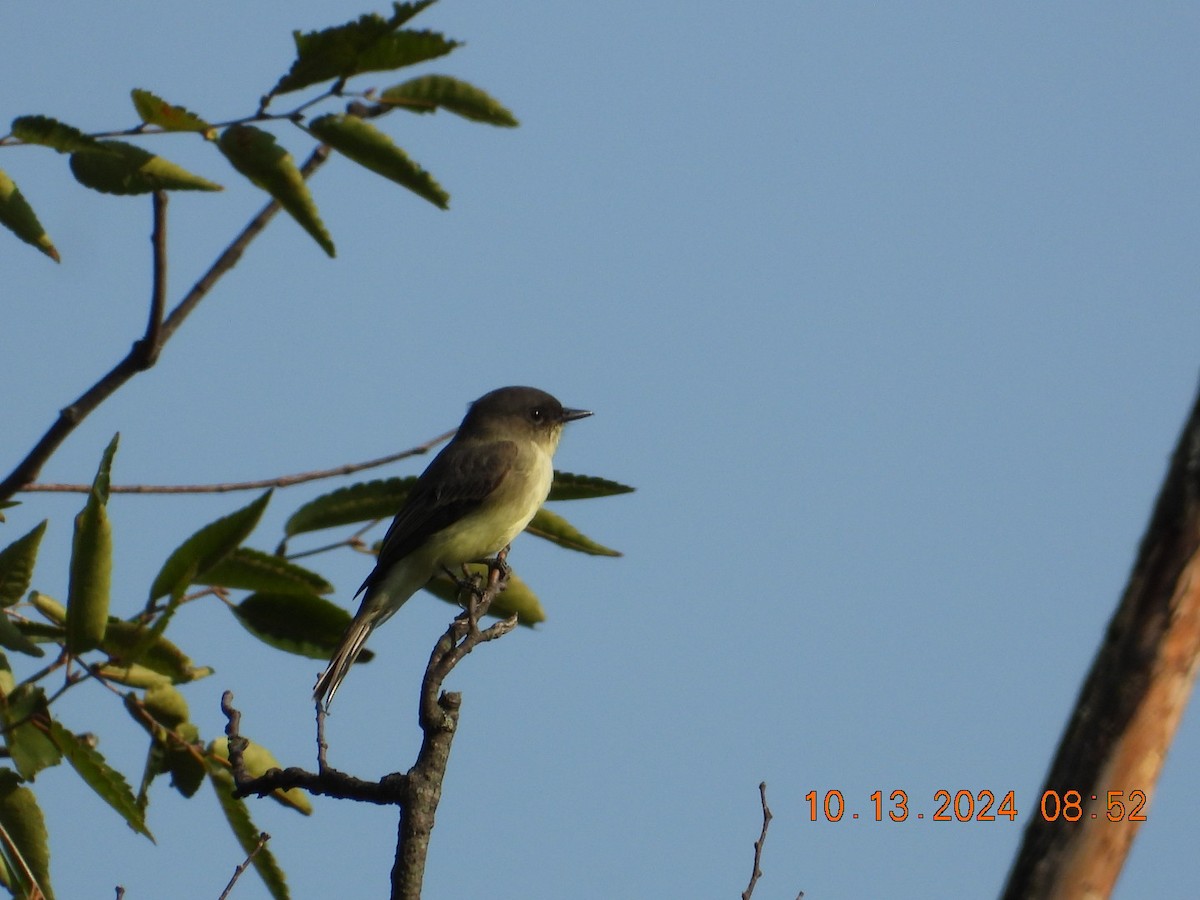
263,837
120,892
229,486
143,353
328,782
758,845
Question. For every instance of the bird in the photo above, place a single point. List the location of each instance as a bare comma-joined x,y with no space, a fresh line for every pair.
476,495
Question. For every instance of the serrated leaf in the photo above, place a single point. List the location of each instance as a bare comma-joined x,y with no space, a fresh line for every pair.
128,169
360,502
207,547
16,565
304,624
370,43
253,570
371,148
516,599
255,154
18,217
23,838
568,486
432,92
153,110
558,530
130,644
245,831
258,760
26,718
109,784
91,564
52,133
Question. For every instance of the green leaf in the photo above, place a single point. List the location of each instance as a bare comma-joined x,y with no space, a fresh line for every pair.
23,839
369,147
174,740
166,705
18,217
567,486
131,170
130,644
558,530
253,570
516,599
371,43
184,763
206,548
14,639
360,502
136,676
52,133
49,607
254,153
16,565
304,624
26,718
153,110
432,92
108,783
258,760
91,564
245,831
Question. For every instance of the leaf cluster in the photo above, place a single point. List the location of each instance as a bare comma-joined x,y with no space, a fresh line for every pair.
277,601
330,57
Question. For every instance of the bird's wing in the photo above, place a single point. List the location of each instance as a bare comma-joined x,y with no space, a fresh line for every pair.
456,483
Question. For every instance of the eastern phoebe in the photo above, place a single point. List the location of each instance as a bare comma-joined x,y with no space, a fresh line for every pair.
477,495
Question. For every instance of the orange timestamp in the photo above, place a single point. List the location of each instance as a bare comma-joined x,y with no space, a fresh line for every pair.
980,806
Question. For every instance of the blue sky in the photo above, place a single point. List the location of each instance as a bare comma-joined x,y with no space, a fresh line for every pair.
889,312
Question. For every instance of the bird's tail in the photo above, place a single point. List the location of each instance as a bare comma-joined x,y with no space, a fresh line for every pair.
343,658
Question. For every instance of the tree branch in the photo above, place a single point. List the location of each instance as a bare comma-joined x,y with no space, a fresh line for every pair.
756,873
144,353
418,791
1130,705
229,486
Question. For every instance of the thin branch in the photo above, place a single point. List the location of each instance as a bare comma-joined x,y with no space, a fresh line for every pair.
142,355
391,790
229,486
758,845
152,342
263,837
230,256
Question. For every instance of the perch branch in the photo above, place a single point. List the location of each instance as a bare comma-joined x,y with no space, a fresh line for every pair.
229,486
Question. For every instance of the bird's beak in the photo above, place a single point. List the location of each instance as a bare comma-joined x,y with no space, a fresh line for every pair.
570,415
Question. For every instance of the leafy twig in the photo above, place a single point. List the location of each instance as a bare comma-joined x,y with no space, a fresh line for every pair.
143,353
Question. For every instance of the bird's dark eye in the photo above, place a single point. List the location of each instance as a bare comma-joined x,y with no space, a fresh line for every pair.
537,414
